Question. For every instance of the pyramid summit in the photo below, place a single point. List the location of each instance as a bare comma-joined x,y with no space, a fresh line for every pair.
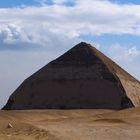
81,54
82,78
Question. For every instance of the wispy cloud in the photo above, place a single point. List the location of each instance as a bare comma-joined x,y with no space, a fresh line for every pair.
122,52
126,56
56,2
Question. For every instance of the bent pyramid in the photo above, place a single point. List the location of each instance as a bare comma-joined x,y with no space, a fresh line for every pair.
83,78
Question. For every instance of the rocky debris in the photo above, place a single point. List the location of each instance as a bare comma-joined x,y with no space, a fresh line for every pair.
9,125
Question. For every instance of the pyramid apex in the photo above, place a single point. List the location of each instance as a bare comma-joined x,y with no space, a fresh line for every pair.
81,54
83,45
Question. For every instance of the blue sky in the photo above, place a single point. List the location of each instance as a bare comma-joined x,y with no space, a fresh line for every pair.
12,3
127,1
34,32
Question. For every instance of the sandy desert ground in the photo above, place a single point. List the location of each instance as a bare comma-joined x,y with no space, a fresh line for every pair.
70,125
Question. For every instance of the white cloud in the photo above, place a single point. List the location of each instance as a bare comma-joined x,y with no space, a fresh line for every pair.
40,26
13,34
85,17
17,37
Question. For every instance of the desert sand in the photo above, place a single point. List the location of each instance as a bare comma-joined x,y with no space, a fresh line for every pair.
82,83
70,125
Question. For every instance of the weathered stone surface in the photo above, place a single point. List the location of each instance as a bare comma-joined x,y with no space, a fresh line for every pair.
84,78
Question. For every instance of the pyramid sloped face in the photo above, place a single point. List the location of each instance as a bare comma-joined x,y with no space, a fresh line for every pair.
81,78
